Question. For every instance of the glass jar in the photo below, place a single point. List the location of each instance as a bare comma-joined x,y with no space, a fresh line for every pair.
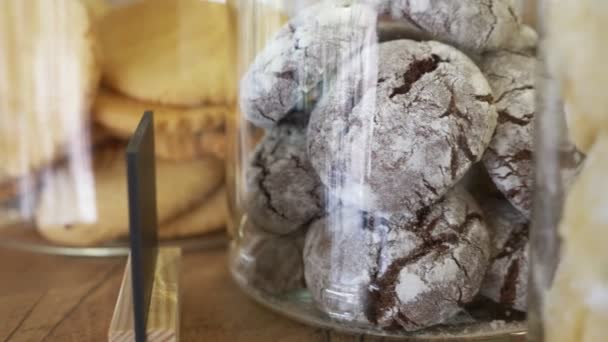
569,283
381,163
75,78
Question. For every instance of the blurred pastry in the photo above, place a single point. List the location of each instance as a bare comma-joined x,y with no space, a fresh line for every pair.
178,52
208,217
181,132
179,188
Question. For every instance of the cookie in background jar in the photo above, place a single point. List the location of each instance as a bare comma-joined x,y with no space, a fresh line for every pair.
174,52
181,187
209,216
181,132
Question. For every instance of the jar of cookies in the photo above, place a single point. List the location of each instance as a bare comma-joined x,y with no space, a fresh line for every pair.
569,283
381,163
75,79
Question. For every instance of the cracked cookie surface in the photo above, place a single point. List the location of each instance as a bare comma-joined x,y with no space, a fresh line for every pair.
415,124
284,192
472,25
508,158
506,280
396,271
302,54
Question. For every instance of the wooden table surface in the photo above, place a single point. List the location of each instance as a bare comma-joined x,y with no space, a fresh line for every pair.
53,298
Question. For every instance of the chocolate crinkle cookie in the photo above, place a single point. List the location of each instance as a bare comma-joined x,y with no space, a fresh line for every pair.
397,137
257,263
509,156
506,280
284,192
471,25
340,253
508,159
304,52
394,270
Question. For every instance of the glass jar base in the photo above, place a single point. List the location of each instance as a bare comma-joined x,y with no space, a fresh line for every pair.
26,238
299,306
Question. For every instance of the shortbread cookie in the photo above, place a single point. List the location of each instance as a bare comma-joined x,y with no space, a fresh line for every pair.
506,280
284,192
179,188
396,272
48,78
576,60
581,131
210,216
306,51
179,52
472,25
398,140
181,133
580,281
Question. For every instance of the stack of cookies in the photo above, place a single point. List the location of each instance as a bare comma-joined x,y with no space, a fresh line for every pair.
366,153
176,58
106,66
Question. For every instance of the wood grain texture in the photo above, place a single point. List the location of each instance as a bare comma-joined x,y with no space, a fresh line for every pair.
163,317
49,298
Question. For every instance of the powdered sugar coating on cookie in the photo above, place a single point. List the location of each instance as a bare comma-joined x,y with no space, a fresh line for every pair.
506,281
340,256
303,53
472,25
509,156
426,285
395,270
285,194
398,137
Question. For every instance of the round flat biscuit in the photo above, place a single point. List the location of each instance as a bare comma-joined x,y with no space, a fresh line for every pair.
182,133
179,187
210,216
169,51
48,77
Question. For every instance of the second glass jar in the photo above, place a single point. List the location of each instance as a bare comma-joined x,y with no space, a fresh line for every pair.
381,163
